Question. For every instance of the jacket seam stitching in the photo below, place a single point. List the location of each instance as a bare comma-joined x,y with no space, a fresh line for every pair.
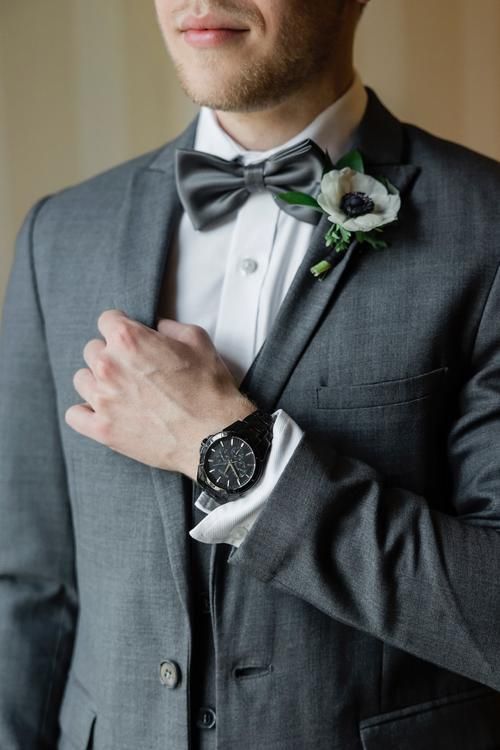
38,208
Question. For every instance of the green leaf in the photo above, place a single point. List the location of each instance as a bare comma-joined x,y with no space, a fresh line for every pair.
331,235
346,235
377,244
352,159
338,236
367,237
391,189
300,199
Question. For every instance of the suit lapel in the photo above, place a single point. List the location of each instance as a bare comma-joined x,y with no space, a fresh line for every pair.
147,223
380,139
146,227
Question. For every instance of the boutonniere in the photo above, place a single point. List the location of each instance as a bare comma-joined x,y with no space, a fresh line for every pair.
355,203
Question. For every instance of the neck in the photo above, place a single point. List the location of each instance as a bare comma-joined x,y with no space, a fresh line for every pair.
261,130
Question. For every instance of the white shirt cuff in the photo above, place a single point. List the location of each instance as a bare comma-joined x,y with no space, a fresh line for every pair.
231,521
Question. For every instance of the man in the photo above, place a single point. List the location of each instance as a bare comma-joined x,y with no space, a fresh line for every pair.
335,587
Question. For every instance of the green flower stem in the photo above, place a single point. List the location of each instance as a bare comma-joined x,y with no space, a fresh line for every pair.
320,269
340,238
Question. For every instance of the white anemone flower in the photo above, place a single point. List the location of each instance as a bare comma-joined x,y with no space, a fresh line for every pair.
357,201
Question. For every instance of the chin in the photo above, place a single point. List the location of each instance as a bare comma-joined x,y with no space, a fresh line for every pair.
212,92
214,102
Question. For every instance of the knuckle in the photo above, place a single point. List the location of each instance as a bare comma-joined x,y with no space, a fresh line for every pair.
125,335
196,333
101,402
102,317
103,367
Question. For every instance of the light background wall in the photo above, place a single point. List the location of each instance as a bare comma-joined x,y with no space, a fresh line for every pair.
85,84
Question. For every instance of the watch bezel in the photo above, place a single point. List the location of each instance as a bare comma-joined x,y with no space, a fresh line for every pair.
202,474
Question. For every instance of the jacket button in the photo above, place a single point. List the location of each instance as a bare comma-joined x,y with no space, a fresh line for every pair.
206,718
169,674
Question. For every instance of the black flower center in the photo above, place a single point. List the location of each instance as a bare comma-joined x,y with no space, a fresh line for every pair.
356,204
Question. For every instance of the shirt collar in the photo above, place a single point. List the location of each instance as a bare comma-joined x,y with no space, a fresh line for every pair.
332,129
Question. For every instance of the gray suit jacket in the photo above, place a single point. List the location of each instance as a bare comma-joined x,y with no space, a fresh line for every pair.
371,620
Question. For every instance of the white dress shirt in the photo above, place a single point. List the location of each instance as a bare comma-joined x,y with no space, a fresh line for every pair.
232,277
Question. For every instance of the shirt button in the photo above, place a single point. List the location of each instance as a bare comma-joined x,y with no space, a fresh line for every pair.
206,718
248,265
169,674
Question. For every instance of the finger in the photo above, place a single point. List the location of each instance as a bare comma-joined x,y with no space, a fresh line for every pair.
91,350
81,417
124,336
170,327
186,333
85,385
108,321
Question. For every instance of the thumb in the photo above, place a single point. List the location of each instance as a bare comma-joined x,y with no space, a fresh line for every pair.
169,327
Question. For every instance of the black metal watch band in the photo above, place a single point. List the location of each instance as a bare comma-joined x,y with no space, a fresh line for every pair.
259,424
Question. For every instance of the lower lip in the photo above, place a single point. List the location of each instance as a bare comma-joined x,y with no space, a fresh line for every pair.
211,37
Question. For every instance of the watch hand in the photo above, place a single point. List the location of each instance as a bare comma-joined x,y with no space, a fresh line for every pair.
230,464
224,454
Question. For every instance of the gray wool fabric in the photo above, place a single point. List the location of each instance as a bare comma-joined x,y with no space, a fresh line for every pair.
362,611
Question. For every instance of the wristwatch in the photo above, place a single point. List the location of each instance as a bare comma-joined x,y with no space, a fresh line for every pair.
233,460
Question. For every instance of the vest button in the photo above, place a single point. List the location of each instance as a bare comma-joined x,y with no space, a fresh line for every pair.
206,718
170,675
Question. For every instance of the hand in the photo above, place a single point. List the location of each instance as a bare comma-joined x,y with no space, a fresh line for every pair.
153,395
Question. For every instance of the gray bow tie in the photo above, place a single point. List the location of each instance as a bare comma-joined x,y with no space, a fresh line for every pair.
210,187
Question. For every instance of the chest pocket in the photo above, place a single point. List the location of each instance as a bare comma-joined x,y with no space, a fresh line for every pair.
382,393
396,426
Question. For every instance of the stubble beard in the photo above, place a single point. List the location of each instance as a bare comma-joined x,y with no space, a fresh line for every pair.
302,50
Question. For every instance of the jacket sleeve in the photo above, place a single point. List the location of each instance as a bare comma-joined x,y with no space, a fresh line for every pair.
38,601
378,557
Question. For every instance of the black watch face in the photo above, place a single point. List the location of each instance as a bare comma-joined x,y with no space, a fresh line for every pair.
230,463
